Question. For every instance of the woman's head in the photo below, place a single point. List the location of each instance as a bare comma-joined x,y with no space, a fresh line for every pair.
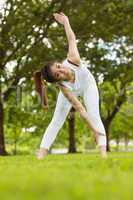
54,72
47,74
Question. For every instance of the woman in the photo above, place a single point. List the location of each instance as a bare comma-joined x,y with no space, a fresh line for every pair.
74,80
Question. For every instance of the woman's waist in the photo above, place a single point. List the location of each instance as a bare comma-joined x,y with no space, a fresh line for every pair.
84,77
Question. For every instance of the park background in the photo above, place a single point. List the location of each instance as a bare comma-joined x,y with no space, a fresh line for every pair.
29,38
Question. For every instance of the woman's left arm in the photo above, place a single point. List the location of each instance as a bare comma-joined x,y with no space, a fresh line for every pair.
77,105
73,53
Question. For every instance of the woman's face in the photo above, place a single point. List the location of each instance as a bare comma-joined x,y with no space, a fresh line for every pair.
60,72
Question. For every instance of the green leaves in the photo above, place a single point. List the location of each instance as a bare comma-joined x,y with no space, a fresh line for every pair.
104,31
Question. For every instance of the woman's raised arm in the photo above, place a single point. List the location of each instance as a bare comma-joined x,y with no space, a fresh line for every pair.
73,54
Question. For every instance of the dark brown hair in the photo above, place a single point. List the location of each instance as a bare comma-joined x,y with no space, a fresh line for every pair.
43,76
40,78
46,73
40,88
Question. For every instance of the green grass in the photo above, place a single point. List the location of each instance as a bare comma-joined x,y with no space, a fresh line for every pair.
67,177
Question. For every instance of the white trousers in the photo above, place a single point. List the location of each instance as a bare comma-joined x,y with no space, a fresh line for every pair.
63,106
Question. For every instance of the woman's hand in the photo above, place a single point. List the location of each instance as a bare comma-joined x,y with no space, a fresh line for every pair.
61,18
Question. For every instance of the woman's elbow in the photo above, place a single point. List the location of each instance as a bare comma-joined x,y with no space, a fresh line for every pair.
75,59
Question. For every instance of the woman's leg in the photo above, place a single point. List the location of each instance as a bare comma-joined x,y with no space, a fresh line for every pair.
62,109
91,101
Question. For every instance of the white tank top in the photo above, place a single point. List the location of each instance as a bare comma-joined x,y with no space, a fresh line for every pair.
82,74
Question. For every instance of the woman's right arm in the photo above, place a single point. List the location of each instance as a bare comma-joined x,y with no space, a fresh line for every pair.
77,105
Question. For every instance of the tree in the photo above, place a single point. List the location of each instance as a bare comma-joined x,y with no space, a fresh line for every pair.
23,27
121,126
29,37
71,122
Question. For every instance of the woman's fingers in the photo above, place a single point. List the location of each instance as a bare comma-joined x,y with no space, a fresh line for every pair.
56,15
59,14
60,17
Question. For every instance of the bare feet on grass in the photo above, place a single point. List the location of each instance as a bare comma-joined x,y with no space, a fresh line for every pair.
41,153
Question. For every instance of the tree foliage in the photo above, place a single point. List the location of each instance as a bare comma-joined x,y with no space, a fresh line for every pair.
29,37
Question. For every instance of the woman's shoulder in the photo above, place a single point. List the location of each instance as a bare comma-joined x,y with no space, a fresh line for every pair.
69,63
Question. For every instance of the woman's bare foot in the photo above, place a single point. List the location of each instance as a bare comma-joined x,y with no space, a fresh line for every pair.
103,151
42,152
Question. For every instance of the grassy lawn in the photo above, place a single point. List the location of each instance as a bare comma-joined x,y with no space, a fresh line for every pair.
67,177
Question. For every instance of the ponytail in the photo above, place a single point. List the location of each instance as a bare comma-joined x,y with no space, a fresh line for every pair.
40,88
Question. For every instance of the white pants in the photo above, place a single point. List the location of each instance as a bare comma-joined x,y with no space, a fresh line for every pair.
63,106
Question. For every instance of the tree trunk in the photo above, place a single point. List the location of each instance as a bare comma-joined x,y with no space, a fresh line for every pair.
108,146
71,122
2,141
106,125
108,120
